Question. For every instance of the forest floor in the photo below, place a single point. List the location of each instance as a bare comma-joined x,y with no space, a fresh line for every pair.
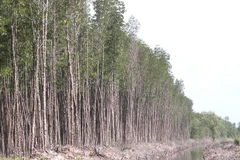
222,150
218,150
132,152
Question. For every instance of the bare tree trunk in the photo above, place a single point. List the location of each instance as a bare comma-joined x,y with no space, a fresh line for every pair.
16,87
2,124
44,51
54,83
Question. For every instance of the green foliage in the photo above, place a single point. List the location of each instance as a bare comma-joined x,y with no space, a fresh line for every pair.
19,158
15,158
5,55
108,21
78,158
236,141
208,124
5,71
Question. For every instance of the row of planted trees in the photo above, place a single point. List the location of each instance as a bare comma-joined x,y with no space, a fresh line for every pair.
67,77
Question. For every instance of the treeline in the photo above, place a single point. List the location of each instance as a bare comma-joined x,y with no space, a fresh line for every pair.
67,77
208,124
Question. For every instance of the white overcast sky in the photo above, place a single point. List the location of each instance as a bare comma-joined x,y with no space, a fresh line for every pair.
203,40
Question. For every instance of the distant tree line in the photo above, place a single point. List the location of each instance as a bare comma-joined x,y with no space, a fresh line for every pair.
69,78
209,125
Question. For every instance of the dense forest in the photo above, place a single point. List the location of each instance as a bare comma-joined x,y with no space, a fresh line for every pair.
72,72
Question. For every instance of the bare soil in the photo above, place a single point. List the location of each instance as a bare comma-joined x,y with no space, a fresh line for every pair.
131,152
222,150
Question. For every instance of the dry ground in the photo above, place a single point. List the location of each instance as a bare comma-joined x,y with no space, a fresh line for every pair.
222,150
132,152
